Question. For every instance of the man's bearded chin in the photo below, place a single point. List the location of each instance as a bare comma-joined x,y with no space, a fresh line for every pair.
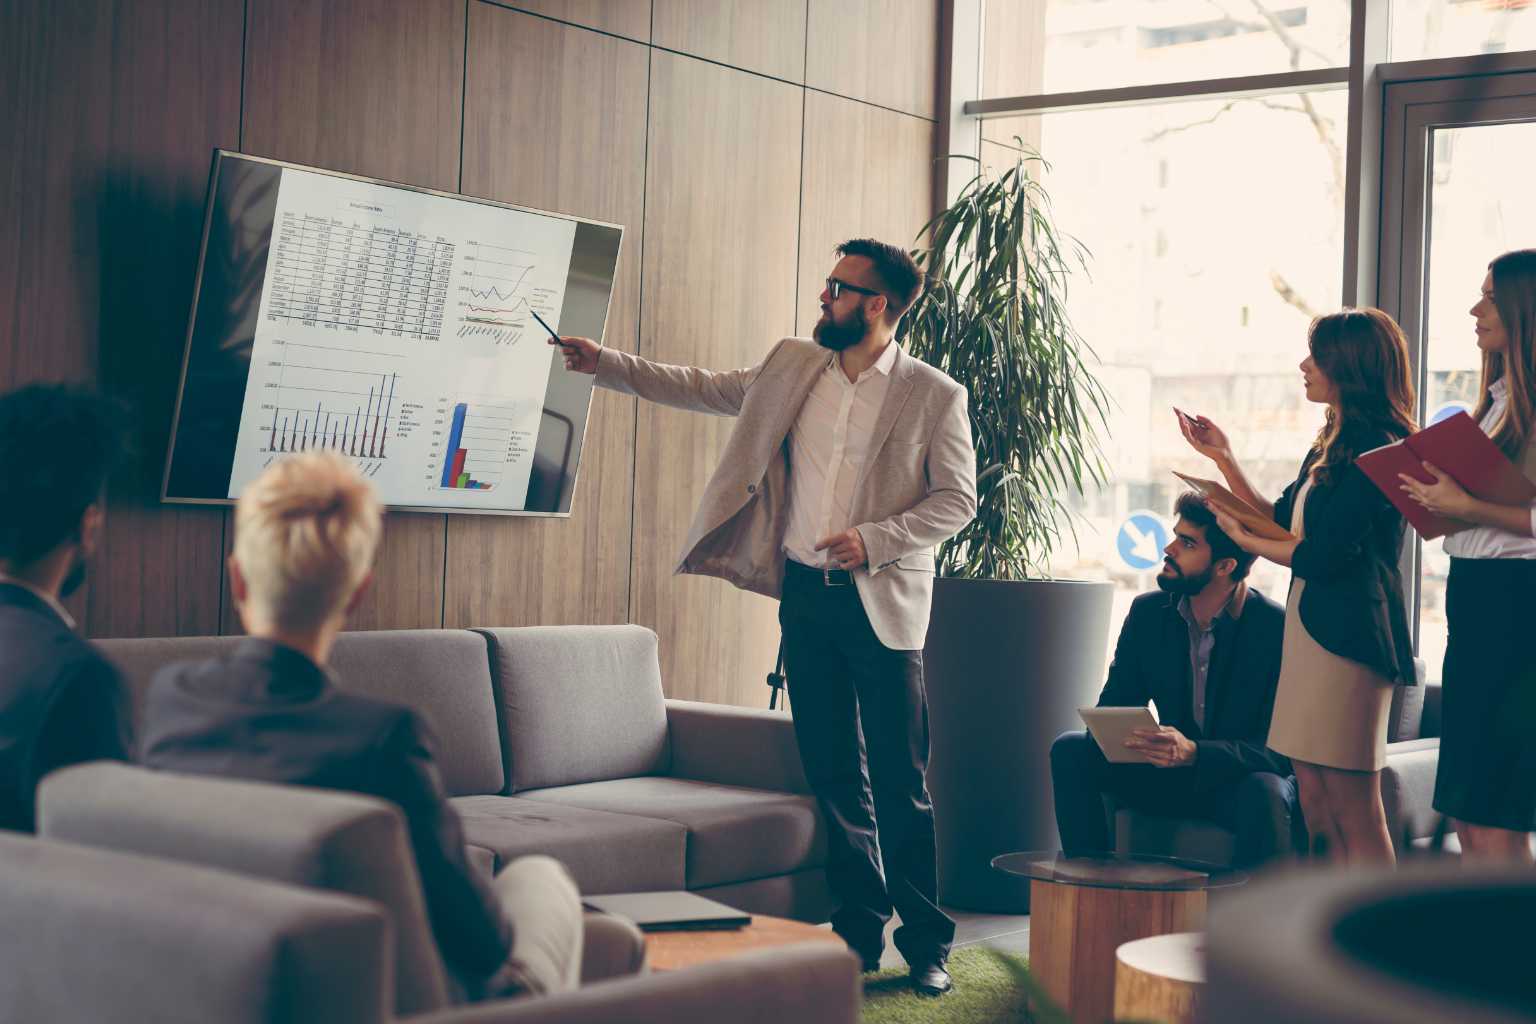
830,334
75,578
1183,586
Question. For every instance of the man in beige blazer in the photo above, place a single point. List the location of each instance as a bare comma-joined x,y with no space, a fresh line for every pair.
849,462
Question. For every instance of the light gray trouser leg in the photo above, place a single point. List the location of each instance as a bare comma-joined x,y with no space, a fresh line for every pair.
612,947
540,899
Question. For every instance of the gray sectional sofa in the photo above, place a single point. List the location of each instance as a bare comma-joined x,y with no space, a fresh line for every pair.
558,740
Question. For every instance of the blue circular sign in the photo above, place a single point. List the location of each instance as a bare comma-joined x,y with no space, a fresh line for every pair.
1446,410
1141,540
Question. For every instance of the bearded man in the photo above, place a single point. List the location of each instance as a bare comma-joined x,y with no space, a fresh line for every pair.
1206,650
849,463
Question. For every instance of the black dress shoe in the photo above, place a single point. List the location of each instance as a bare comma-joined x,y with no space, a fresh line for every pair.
931,979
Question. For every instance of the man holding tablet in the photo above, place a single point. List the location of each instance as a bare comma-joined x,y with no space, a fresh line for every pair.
1206,650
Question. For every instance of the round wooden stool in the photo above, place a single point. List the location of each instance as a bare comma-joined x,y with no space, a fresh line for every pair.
1159,979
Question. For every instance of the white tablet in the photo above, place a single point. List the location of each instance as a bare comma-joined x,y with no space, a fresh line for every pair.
1111,727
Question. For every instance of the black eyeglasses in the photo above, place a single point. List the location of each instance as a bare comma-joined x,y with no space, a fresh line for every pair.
837,288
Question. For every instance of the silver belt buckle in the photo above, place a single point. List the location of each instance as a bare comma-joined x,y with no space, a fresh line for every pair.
826,577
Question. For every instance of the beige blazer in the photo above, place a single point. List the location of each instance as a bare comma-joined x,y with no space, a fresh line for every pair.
917,487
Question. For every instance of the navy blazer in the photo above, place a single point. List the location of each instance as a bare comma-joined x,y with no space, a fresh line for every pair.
269,713
1353,602
1152,663
61,703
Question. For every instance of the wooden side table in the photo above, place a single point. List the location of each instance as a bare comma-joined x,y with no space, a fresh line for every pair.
674,950
1160,978
1074,931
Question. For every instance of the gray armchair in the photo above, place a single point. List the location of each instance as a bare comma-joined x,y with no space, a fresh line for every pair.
356,845
95,935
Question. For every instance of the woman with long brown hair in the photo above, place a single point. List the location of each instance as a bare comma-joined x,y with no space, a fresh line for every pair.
1346,629
1487,775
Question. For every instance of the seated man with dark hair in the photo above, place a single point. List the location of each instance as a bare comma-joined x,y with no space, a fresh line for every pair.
60,701
1206,649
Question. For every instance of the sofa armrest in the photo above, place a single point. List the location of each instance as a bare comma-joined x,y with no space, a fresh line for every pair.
807,984
1430,723
1408,786
751,747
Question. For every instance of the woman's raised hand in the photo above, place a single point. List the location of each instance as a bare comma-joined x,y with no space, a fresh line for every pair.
1204,436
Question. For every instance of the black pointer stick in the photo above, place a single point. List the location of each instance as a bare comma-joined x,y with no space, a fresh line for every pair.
546,326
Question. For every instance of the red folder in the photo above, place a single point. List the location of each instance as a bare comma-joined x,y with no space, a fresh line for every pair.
1457,447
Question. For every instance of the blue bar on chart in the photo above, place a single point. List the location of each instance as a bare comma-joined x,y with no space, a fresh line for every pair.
453,461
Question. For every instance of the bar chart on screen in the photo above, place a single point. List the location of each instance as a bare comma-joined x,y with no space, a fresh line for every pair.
334,397
486,440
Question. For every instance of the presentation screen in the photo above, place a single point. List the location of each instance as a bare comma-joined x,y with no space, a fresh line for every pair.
393,325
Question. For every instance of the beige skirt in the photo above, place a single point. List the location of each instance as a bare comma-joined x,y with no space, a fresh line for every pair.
1329,710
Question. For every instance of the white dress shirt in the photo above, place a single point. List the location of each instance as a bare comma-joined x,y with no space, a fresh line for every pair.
827,447
1490,541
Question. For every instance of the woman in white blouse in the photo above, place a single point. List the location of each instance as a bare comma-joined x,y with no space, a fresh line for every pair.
1487,775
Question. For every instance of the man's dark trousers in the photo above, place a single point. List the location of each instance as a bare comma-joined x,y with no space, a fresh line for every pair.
854,699
1260,808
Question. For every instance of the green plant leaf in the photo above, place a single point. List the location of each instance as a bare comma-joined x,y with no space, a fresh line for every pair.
995,319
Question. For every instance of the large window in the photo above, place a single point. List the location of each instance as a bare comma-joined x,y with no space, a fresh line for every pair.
1455,28
1099,44
1214,230
1215,233
1200,150
1481,204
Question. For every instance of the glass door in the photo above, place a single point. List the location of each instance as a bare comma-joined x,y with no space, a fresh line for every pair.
1457,166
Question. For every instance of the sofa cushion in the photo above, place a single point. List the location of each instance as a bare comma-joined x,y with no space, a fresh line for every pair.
579,703
605,852
734,833
1408,787
138,660
444,675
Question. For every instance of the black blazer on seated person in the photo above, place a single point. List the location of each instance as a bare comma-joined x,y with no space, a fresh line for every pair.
1353,602
267,712
61,703
1152,663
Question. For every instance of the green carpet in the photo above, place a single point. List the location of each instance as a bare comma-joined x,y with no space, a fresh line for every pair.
989,986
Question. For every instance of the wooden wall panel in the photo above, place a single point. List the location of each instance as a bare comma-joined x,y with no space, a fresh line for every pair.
372,88
55,74
55,79
175,96
718,290
109,127
631,18
766,36
879,51
555,118
868,173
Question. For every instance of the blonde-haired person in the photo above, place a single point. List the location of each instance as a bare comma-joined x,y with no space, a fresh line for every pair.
1486,780
1346,636
305,535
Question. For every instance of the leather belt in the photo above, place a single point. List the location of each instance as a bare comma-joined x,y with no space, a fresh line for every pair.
825,575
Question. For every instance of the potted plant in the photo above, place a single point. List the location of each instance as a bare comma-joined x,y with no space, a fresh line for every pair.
1011,654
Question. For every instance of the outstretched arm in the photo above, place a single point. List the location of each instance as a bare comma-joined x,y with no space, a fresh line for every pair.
720,392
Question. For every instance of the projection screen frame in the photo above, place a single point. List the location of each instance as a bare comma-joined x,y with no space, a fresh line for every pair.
219,154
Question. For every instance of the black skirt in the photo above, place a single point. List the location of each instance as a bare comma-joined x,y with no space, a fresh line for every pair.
1487,773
